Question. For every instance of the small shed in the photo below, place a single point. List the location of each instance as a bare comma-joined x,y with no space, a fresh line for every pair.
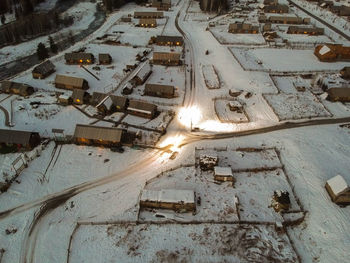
64,99
142,109
43,70
169,41
157,90
11,87
174,199
96,135
70,83
235,105
142,74
20,139
338,190
208,161
223,174
104,58
147,22
79,58
166,58
339,94
80,97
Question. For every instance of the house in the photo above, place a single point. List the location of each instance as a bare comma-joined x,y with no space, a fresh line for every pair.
332,52
142,74
169,41
339,94
97,97
208,161
19,139
243,28
79,58
147,22
223,174
11,87
104,59
142,109
345,73
112,103
338,190
166,58
80,97
148,15
157,90
174,199
277,8
68,82
43,70
161,5
100,136
305,30
284,20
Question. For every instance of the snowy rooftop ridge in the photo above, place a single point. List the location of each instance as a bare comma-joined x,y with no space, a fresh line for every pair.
223,171
324,50
168,196
338,184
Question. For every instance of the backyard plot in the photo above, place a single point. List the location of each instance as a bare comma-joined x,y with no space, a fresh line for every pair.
180,243
225,114
282,60
290,84
296,106
225,38
210,77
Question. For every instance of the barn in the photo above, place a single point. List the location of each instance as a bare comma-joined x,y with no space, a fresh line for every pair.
243,28
19,139
169,41
70,83
100,136
157,90
79,58
80,97
43,70
147,22
104,59
332,52
148,15
142,109
315,31
339,94
338,190
173,199
223,174
11,87
166,58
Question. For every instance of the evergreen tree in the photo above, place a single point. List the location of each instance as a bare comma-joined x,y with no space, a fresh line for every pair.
53,46
41,51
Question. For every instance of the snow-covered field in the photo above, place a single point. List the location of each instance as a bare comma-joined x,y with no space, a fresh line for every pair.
211,77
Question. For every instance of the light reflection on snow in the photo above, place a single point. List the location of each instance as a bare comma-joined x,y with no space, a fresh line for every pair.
189,116
216,126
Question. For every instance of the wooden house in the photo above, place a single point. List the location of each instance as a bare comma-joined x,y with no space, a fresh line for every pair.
142,109
148,15
173,199
70,83
285,20
11,87
80,97
104,59
79,58
166,58
142,74
43,70
314,31
169,41
243,28
277,8
338,190
112,103
97,97
223,174
345,73
147,22
161,5
19,139
339,94
332,52
157,90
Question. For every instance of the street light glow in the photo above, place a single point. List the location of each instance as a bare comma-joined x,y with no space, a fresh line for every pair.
189,116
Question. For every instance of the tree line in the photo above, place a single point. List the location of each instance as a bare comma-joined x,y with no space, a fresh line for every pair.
113,4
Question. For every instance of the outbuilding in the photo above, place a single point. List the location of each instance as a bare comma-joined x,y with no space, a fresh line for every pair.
158,90
142,109
70,83
104,58
11,87
174,199
79,58
223,174
43,70
338,190
166,58
19,139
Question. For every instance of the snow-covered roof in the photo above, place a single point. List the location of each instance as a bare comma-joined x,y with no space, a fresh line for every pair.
223,171
168,196
324,50
338,184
